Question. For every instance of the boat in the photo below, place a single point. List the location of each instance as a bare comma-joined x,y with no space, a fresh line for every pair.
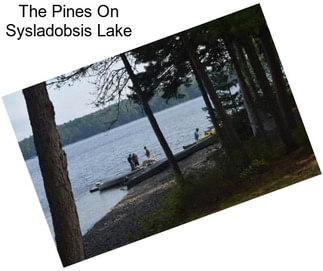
163,164
201,144
148,172
209,132
96,187
189,145
135,177
119,180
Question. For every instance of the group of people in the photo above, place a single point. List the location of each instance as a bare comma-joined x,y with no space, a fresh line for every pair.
133,159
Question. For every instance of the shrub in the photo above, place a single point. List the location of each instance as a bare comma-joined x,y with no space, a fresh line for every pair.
300,136
256,166
256,148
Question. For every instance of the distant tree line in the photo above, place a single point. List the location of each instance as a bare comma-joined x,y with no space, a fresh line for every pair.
107,118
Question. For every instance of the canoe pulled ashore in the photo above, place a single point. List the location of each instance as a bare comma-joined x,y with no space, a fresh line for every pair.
135,177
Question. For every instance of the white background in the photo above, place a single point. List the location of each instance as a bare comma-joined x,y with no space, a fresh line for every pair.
279,231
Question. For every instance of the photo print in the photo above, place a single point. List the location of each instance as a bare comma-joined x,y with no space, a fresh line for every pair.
161,135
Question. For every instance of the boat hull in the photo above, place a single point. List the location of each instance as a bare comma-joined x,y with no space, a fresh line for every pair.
119,180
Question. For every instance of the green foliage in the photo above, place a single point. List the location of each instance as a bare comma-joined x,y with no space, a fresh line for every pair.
223,81
202,190
253,150
241,123
258,149
256,166
109,117
229,165
300,136
166,67
243,22
208,190
161,219
201,187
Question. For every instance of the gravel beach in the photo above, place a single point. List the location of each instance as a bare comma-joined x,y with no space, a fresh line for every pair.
116,227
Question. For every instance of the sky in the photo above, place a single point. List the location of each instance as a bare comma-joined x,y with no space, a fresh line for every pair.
69,102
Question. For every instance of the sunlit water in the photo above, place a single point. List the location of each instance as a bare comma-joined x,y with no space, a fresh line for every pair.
105,155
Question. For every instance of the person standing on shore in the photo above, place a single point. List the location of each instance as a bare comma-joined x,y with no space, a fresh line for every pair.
147,152
131,162
135,159
196,134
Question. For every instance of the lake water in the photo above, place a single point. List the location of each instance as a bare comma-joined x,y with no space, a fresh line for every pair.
105,155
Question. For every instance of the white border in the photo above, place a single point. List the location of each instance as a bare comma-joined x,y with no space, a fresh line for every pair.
279,231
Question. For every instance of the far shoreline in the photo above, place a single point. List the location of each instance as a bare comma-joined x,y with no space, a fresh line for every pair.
106,131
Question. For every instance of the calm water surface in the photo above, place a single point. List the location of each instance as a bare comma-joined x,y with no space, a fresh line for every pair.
105,155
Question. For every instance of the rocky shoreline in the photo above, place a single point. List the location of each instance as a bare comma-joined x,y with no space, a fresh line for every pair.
120,225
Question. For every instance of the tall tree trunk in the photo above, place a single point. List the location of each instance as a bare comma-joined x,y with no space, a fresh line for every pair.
250,78
53,166
208,106
254,91
247,105
230,131
243,85
262,79
171,159
241,69
277,76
